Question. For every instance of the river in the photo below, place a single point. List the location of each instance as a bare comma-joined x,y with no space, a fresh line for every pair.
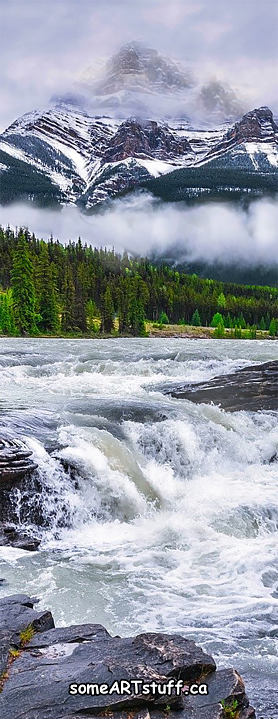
171,510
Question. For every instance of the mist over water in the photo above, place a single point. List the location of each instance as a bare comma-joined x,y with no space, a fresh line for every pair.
212,233
169,520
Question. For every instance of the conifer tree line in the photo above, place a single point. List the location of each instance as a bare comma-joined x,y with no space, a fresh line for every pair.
49,288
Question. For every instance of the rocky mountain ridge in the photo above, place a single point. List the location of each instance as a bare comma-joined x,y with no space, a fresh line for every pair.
256,126
62,155
137,122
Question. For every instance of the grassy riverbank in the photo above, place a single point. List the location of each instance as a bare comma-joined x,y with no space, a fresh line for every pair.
189,332
154,330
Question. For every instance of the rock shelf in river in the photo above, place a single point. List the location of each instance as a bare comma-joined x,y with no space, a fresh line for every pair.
253,388
38,662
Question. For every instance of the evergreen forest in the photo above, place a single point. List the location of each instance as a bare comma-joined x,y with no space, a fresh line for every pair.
47,288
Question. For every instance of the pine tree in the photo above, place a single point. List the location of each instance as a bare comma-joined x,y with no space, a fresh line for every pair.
221,300
273,326
137,318
68,300
124,305
138,296
23,290
91,313
196,319
48,306
241,321
80,319
267,320
7,326
228,321
107,311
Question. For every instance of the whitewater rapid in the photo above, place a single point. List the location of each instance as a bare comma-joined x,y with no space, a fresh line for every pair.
171,511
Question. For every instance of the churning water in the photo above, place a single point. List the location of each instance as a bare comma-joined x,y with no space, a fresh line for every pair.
162,513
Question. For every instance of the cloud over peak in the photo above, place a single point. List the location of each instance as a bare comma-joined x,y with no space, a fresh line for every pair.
46,45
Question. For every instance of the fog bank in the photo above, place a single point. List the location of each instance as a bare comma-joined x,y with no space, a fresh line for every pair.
214,232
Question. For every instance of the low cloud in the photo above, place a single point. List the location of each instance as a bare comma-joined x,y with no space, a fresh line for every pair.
212,233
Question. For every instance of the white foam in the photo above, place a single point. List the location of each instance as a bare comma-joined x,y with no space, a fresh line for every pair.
174,521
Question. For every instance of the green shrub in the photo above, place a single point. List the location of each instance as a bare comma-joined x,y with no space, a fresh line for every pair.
163,319
217,319
219,331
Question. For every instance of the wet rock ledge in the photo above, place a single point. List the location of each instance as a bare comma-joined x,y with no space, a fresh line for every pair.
16,467
15,460
39,662
252,389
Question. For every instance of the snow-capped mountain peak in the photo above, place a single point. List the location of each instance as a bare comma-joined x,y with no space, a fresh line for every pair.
66,154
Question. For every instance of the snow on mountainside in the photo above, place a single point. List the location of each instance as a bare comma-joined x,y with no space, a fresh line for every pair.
64,154
255,133
244,162
62,141
87,159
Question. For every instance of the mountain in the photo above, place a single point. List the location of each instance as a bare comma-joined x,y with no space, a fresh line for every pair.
62,155
138,80
68,154
136,67
243,163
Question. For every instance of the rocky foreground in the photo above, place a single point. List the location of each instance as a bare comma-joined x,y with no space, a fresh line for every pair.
39,662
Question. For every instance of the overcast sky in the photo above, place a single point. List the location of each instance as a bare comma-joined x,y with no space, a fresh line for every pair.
46,44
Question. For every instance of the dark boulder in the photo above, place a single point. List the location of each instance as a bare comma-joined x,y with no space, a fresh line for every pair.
17,613
224,685
37,681
76,633
16,616
13,537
